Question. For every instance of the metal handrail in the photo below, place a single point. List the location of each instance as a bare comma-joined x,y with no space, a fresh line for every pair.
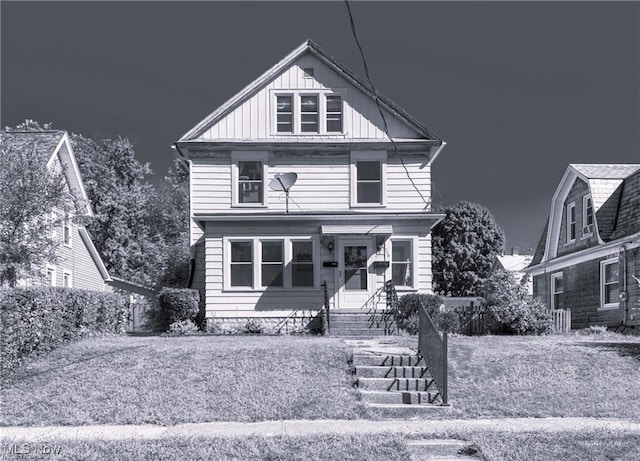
433,346
327,318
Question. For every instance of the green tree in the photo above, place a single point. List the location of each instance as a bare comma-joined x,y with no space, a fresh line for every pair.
30,193
117,186
465,244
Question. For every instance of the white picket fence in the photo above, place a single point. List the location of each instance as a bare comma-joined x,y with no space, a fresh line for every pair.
561,320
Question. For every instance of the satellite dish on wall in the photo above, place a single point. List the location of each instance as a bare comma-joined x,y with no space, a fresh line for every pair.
283,182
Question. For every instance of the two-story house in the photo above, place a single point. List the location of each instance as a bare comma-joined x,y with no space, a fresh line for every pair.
78,264
588,258
354,213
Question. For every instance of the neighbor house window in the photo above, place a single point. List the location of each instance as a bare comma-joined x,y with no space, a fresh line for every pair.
557,290
587,215
284,114
67,279
334,113
272,263
401,263
302,264
241,264
248,173
609,290
571,222
309,113
51,276
66,229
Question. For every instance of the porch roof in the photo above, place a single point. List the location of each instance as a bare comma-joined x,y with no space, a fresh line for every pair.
356,229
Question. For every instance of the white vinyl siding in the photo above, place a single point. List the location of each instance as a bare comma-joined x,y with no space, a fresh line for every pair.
254,119
323,184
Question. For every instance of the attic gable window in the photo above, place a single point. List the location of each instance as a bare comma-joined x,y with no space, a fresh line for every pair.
309,113
284,114
334,113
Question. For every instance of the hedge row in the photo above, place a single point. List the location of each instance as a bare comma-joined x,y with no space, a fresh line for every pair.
38,319
174,305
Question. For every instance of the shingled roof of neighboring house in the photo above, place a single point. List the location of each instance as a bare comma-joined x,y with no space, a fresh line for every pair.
45,142
615,193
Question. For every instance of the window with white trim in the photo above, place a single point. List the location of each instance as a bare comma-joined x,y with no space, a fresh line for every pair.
609,289
302,273
368,170
334,113
587,215
308,112
272,263
66,229
262,262
67,279
51,276
249,170
402,263
241,264
571,222
284,113
557,291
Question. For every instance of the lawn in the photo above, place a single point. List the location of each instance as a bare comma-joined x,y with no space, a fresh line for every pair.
169,380
559,375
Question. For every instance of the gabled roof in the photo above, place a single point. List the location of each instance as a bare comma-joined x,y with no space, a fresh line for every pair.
615,194
308,46
49,144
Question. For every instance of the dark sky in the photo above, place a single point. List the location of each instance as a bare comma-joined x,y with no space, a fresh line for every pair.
518,90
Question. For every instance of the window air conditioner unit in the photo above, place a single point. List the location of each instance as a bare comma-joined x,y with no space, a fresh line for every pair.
587,229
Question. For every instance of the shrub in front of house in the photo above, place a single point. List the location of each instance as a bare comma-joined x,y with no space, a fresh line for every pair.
174,305
510,311
36,320
407,315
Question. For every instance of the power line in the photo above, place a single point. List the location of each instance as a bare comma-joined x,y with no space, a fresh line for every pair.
375,97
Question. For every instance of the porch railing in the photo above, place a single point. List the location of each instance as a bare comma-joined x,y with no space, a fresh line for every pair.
432,345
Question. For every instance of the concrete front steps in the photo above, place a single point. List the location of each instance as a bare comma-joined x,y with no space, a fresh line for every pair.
348,323
395,385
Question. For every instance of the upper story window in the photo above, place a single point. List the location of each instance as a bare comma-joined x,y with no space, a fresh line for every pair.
284,121
609,289
587,215
309,113
571,222
334,114
66,229
249,170
367,178
401,263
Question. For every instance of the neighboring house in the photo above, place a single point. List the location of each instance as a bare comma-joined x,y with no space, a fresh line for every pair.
588,259
78,263
358,214
516,264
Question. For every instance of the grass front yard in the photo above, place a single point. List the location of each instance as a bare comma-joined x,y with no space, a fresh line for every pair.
169,380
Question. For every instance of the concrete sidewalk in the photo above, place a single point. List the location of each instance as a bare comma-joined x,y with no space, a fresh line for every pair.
311,427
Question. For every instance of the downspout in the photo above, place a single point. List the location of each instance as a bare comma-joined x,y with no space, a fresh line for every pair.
433,158
622,262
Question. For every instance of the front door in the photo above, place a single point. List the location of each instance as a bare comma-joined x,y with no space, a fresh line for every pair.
355,283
